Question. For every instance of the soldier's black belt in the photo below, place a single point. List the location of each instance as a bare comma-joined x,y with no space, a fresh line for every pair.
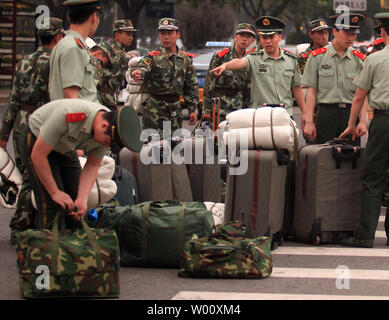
170,98
225,92
336,105
385,112
28,107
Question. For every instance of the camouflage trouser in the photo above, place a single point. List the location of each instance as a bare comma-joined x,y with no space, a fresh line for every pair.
24,213
66,171
157,111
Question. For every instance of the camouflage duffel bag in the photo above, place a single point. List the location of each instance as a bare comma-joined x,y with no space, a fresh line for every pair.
69,263
226,254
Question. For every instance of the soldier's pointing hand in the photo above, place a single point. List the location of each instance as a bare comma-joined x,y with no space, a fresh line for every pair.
219,70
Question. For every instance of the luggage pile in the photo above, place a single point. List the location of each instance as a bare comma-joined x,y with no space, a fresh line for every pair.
258,196
10,180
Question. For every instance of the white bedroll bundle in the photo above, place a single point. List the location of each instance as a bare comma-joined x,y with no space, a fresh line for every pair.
135,99
10,180
104,188
264,127
217,210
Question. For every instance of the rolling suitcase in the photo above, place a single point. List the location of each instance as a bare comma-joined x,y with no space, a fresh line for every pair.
157,181
203,169
258,196
328,192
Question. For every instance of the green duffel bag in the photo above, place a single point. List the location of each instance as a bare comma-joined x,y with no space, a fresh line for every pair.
75,263
153,234
226,254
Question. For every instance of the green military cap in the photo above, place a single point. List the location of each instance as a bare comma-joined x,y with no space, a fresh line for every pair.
317,25
269,25
383,17
377,29
123,25
107,49
50,27
348,21
82,4
168,24
126,130
245,28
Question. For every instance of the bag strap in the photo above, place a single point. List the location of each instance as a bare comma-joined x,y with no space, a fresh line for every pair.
238,257
145,218
93,242
180,231
55,245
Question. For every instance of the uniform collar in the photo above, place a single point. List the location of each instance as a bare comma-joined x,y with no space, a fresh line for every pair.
333,52
265,56
235,53
88,124
117,44
168,54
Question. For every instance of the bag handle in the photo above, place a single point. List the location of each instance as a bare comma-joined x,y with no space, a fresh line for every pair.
55,246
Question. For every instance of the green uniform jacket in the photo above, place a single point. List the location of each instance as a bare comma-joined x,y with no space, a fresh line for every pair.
234,83
30,87
165,73
70,65
331,75
272,80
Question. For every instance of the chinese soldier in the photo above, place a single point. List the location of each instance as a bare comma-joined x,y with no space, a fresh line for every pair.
232,87
329,75
29,92
72,74
167,73
274,74
373,83
49,143
319,34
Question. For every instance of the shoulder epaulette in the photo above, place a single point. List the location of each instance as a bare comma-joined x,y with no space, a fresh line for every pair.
378,41
154,53
222,53
359,55
75,117
79,43
290,54
189,54
319,51
250,51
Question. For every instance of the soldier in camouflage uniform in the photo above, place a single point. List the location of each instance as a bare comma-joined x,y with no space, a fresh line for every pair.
233,86
29,92
167,73
319,33
114,79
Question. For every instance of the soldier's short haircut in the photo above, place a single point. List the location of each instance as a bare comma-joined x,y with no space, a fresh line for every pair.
81,16
46,40
110,117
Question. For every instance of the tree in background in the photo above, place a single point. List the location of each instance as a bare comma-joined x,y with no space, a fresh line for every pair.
205,22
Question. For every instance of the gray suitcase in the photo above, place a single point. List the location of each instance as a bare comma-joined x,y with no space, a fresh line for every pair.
205,179
258,197
328,192
157,182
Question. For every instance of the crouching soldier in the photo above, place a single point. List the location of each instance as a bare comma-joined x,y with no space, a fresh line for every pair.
50,141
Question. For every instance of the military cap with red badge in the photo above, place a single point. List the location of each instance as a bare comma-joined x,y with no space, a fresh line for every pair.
269,25
317,25
347,21
383,17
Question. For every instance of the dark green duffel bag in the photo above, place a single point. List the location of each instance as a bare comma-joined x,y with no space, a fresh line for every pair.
75,262
153,234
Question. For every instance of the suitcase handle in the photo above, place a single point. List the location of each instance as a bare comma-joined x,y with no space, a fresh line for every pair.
346,153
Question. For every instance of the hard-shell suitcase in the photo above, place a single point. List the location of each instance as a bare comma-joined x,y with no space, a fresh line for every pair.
328,192
258,197
203,169
127,193
157,181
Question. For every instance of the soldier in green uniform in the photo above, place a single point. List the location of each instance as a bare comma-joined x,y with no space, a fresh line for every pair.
319,34
167,73
72,74
29,92
373,83
274,74
49,142
233,86
329,76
